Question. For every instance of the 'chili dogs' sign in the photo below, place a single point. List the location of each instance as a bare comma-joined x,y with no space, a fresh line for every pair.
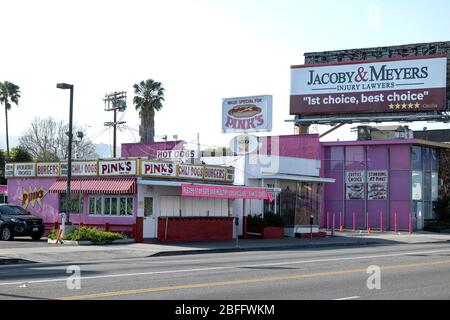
80,168
413,84
247,114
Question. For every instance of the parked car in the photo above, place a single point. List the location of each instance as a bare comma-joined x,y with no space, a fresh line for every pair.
16,221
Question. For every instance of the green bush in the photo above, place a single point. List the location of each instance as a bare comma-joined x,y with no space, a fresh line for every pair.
442,209
269,220
274,220
256,221
89,234
53,234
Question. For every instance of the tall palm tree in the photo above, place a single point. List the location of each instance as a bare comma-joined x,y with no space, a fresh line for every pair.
149,96
8,92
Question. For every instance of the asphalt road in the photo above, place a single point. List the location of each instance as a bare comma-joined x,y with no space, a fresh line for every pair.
407,272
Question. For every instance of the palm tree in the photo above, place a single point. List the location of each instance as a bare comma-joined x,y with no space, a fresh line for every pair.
8,92
149,95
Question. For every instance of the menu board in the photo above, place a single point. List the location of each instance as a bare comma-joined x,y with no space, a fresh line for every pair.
355,191
377,185
9,170
25,170
355,185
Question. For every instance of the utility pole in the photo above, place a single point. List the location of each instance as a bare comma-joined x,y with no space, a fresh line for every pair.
116,101
199,155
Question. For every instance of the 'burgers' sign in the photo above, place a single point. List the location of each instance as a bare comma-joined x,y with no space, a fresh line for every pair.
247,114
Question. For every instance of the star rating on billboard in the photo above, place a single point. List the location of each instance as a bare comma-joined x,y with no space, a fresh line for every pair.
404,106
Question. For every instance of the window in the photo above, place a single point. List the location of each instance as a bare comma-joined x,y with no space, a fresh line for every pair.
111,206
148,207
75,203
98,205
417,185
123,206
114,206
129,206
416,157
434,186
107,206
91,205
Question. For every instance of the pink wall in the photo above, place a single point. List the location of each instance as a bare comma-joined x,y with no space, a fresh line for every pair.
148,149
49,210
50,203
296,146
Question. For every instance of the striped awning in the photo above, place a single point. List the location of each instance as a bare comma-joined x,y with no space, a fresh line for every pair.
96,186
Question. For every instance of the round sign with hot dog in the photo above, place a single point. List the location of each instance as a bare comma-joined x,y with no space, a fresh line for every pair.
247,114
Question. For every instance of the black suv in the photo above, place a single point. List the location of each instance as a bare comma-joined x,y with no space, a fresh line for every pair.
16,221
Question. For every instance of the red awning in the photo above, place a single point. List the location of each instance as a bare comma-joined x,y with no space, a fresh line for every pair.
97,186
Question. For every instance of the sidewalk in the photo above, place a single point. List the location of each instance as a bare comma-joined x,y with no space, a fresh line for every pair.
67,254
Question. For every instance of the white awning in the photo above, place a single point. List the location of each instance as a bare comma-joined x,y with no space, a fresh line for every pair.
162,183
297,178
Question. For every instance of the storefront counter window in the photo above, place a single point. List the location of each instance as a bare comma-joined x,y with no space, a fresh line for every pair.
75,203
111,206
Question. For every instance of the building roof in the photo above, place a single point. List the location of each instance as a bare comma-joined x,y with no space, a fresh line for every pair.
387,142
442,135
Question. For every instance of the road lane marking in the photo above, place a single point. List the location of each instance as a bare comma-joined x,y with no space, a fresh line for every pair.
348,298
119,275
245,281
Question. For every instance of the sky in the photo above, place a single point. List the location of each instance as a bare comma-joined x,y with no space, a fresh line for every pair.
202,51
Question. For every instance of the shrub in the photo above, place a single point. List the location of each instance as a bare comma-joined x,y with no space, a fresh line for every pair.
442,209
274,220
88,234
256,221
53,234
269,220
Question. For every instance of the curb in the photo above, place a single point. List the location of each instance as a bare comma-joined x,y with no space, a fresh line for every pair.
12,261
90,243
268,248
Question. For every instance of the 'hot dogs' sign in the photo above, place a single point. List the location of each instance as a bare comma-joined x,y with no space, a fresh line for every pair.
247,114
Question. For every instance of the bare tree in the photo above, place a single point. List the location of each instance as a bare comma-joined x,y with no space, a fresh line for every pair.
47,140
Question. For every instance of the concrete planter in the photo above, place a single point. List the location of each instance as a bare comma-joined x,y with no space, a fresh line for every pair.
90,243
273,233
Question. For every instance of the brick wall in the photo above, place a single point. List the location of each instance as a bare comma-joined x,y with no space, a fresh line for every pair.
184,229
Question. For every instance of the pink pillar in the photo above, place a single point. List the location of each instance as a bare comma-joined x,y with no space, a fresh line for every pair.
381,221
328,220
341,226
410,223
395,222
334,224
367,221
354,221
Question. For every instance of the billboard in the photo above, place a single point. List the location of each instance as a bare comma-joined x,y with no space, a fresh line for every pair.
398,85
247,114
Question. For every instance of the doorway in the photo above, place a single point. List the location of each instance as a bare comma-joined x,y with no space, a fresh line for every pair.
149,219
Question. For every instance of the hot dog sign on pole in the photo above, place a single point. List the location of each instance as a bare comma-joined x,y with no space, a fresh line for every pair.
247,114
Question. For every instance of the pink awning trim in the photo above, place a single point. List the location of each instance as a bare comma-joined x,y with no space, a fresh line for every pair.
225,192
97,186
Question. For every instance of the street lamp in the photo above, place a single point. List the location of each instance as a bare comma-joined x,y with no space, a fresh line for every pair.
67,225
